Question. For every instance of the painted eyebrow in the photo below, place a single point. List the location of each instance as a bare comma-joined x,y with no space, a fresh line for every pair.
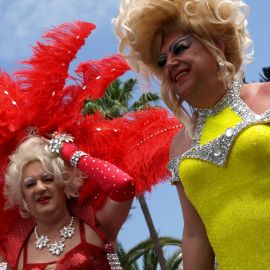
28,178
45,174
176,41
172,45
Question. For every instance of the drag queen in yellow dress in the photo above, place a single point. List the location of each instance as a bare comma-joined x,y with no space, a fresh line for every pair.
219,163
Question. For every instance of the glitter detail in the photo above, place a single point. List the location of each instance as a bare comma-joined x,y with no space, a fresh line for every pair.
3,266
75,158
56,142
217,150
157,133
112,257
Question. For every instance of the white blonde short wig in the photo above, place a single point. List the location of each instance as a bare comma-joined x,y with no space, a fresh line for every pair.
31,149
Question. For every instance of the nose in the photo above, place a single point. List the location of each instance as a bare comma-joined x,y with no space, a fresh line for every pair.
40,186
171,60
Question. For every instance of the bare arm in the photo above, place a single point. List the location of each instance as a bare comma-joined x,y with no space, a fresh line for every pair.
117,184
112,216
197,251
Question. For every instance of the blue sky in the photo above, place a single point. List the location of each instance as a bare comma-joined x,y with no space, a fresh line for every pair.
22,23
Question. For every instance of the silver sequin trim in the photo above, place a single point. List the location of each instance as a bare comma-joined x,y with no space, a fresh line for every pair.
75,158
217,150
114,261
3,266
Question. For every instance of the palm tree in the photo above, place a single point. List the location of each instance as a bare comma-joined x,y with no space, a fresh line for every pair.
265,76
123,254
175,261
115,103
146,251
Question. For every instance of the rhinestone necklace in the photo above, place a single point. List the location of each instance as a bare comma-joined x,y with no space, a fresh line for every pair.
57,247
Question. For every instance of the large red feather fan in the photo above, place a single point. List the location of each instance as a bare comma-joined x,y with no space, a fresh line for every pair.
43,98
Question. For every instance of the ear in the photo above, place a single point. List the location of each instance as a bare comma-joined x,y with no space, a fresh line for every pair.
220,45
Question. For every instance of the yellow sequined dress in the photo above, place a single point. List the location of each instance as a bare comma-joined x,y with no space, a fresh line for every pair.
226,176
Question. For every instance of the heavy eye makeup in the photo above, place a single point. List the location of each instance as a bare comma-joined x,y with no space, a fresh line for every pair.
31,181
181,45
47,177
176,48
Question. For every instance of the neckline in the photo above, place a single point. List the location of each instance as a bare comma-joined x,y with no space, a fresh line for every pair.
230,96
230,99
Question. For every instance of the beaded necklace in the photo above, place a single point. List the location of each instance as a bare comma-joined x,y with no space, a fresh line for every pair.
57,247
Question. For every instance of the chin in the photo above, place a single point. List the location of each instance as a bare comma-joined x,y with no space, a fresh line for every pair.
46,209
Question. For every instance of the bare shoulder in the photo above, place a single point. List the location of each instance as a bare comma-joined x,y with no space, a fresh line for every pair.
264,89
257,96
180,144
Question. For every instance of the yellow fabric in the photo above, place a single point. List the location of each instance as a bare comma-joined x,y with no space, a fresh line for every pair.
212,127
234,201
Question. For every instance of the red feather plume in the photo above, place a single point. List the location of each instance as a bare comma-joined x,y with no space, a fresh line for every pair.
44,79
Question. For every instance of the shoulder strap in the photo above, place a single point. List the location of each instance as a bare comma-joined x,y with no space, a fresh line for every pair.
25,254
100,233
82,231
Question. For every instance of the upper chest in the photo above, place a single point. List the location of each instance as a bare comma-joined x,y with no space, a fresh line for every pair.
218,127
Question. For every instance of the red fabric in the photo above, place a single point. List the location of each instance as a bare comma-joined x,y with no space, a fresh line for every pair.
114,182
14,240
83,256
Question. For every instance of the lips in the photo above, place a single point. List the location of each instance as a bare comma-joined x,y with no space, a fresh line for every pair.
43,200
181,74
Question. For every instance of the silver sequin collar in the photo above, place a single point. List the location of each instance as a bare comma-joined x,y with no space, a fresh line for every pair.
217,150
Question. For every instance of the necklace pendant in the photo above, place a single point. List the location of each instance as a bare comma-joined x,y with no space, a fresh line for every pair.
67,232
41,241
57,248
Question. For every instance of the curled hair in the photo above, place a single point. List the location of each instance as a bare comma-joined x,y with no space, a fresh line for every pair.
32,149
142,24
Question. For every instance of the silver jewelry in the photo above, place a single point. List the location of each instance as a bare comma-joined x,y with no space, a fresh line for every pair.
3,266
221,64
57,247
76,157
55,143
112,257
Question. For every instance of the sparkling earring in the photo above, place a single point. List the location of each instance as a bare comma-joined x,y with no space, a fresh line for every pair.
25,206
221,64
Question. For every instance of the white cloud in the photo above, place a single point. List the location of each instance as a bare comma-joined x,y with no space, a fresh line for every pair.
23,21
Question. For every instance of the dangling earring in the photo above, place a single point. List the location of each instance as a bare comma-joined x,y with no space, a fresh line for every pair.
25,206
222,68
221,64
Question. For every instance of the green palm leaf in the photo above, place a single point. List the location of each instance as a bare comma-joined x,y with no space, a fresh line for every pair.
265,76
115,102
147,246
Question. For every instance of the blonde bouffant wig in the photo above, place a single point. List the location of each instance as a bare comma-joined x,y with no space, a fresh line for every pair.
142,24
32,149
